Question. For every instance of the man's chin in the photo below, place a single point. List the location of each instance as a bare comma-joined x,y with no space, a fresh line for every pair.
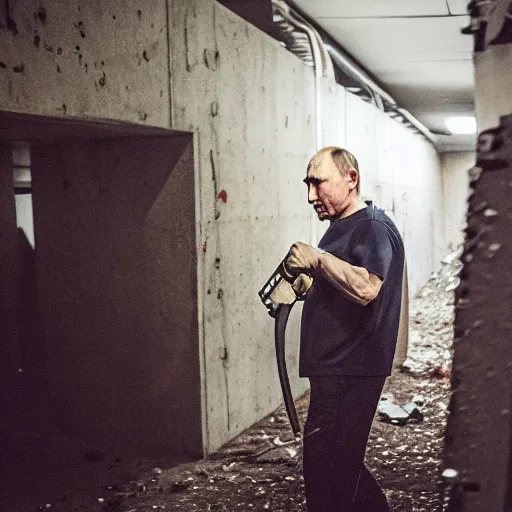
323,216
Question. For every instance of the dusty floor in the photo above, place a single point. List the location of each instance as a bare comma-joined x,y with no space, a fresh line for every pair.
255,473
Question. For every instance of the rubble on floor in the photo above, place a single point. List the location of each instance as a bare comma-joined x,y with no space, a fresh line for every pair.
399,414
261,468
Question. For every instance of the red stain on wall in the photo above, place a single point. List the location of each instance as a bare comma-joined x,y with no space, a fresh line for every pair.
223,195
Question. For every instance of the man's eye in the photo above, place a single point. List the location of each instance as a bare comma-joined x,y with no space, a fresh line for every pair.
313,181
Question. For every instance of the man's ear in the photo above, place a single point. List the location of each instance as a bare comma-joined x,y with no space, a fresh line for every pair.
354,178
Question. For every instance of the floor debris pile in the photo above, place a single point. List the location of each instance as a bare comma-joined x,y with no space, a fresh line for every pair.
261,469
400,414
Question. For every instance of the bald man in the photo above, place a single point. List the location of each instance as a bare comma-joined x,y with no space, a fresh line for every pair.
348,333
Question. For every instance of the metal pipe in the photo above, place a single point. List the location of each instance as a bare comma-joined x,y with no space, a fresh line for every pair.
322,50
353,70
417,124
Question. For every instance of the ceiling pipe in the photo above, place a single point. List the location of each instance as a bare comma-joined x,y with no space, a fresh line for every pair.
354,71
351,68
320,48
417,124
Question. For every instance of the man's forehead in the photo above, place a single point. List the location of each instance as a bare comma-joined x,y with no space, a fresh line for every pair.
320,165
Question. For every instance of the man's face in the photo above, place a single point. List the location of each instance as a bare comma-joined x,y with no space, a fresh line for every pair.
329,191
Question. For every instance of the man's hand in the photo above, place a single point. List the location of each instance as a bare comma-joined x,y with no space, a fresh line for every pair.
356,283
303,258
302,284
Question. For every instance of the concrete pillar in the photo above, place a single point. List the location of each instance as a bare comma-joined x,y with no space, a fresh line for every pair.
478,439
9,324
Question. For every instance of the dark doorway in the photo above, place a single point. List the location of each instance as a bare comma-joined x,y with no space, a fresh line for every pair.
105,368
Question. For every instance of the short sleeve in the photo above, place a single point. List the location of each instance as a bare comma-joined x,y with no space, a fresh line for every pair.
372,248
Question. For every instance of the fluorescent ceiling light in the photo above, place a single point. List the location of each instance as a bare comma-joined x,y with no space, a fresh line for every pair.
462,125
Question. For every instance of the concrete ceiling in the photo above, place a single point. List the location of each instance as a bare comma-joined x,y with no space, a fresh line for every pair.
414,48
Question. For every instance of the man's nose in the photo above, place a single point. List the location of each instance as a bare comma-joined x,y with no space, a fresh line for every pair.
312,194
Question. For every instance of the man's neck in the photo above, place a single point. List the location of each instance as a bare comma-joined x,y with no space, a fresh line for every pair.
356,205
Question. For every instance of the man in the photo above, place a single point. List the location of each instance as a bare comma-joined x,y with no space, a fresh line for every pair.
348,334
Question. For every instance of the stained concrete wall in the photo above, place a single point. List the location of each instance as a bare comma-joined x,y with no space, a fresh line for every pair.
251,105
116,266
455,167
94,59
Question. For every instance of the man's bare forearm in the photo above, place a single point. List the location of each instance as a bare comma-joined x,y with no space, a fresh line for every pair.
355,282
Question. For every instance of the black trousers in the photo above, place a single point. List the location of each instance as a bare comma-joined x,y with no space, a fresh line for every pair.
340,416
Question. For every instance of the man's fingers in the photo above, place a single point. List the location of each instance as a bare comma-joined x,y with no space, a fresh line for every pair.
292,263
298,259
294,251
302,284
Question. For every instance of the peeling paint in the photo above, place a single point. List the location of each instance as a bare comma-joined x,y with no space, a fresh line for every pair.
20,68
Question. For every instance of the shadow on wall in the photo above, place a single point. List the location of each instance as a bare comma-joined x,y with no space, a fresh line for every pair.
31,336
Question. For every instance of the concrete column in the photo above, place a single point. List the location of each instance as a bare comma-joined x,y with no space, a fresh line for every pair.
478,439
9,324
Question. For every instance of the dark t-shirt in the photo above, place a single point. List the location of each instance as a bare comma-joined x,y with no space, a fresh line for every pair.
339,336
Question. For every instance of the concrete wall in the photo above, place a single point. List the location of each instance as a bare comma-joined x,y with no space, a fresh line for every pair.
251,105
116,266
455,167
94,59
24,216
9,271
401,173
